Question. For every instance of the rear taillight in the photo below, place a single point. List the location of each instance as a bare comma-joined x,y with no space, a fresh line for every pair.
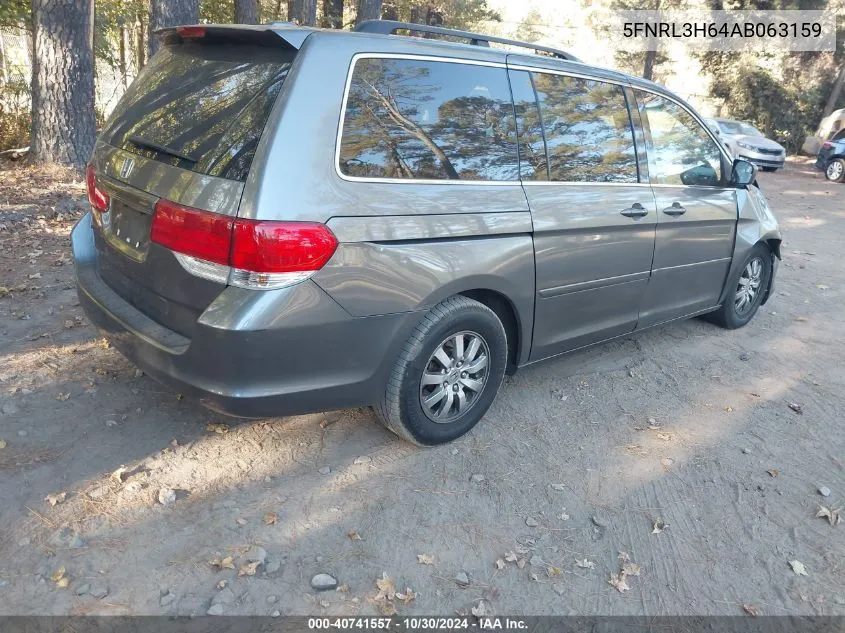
190,32
248,253
827,145
98,198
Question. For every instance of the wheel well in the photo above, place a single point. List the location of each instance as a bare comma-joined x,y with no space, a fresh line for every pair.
503,308
774,246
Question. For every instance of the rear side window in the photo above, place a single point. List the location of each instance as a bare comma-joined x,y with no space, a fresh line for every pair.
428,120
201,106
587,130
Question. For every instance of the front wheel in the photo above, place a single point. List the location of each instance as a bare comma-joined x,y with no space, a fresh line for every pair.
747,289
835,171
448,373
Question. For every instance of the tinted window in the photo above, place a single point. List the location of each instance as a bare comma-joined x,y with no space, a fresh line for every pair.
428,120
588,131
533,164
207,104
680,151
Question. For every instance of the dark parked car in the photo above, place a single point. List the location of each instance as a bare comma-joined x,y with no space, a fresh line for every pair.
831,160
287,220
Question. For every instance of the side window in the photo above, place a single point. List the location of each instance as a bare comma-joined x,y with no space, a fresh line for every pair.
587,128
680,151
416,119
533,164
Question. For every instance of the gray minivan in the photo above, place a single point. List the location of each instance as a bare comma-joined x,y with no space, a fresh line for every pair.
287,220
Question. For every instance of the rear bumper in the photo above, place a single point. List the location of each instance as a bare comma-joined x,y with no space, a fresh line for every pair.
252,353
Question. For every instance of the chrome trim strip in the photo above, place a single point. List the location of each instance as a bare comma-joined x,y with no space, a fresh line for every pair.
707,261
406,181
593,284
428,227
546,183
568,73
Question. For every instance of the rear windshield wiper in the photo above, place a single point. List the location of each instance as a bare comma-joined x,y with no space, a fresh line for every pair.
161,149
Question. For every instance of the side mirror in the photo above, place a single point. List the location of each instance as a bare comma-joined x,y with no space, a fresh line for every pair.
743,172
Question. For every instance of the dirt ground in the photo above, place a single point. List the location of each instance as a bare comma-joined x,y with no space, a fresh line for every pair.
696,452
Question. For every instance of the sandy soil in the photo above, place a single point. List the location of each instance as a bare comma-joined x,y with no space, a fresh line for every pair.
687,427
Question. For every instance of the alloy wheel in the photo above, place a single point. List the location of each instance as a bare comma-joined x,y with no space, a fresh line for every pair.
454,377
834,170
748,286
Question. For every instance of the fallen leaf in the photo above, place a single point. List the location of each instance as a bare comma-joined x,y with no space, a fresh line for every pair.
63,583
55,499
69,323
659,525
35,276
798,408
353,535
510,557
617,581
798,567
325,604
386,588
729,409
58,574
179,396
585,564
2,443
801,319
773,472
832,515
62,396
342,588
819,286
533,576
248,569
623,556
270,518
664,436
751,610
118,474
221,584
500,564
553,571
481,610
220,429
387,609
631,569
222,563
520,563
406,596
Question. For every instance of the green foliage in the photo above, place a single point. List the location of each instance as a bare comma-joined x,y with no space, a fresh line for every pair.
15,12
459,14
15,117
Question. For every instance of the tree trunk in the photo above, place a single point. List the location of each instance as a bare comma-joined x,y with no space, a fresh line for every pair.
368,10
303,12
165,13
648,65
121,63
333,14
141,45
834,93
246,12
63,124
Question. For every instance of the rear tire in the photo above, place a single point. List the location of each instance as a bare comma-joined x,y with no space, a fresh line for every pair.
835,170
769,168
454,360
747,289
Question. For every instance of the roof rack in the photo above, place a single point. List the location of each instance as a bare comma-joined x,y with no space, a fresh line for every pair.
389,27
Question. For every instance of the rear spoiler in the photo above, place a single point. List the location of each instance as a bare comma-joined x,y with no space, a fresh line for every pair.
276,34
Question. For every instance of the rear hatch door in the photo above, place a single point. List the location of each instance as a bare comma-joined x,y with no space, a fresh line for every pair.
186,130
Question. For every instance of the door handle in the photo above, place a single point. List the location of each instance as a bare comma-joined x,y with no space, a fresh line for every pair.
635,211
675,210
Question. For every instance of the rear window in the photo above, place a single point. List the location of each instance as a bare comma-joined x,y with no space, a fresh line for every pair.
201,106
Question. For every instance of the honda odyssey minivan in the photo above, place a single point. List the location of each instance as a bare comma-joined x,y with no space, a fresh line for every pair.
288,220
